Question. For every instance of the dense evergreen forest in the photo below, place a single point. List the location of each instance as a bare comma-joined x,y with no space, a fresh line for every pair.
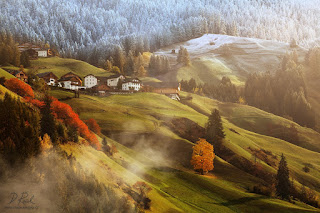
99,28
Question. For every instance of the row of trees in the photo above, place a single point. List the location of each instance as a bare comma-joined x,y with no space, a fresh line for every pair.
158,65
22,124
225,90
19,130
183,56
122,62
9,51
312,59
283,93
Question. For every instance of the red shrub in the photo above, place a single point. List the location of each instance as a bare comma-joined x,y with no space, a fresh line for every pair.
93,125
65,113
19,87
35,102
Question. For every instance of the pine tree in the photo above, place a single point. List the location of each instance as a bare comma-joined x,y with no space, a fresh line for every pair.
183,56
119,58
24,59
283,182
47,120
214,128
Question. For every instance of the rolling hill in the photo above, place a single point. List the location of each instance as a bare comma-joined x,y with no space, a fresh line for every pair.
61,66
154,134
140,122
214,56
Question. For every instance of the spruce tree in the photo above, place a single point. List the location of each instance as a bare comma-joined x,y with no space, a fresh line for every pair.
47,120
283,182
214,128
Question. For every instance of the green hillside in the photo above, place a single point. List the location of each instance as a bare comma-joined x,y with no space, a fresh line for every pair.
140,121
208,70
256,120
61,66
5,74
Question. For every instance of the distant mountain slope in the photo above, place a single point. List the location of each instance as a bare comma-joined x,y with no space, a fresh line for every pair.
214,56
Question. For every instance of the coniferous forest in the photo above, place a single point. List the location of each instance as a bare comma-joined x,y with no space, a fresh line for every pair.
76,28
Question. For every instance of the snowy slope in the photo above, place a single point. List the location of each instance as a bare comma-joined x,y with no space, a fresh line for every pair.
241,55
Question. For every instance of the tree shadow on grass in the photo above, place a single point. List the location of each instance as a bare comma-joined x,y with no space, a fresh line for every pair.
242,200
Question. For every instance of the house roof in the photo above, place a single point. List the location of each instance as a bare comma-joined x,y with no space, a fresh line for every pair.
127,80
41,75
15,72
115,76
162,84
90,75
102,79
70,78
72,74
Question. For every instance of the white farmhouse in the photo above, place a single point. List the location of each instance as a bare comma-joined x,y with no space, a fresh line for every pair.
42,53
90,81
131,84
113,80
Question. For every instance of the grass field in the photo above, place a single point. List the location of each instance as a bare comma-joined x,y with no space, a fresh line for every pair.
177,188
5,74
61,66
208,70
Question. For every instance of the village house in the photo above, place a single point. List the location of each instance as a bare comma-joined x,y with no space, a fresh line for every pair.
21,75
131,84
101,89
170,89
90,81
113,80
50,78
71,81
33,51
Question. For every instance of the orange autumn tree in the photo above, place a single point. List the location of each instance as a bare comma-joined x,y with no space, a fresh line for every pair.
202,156
19,87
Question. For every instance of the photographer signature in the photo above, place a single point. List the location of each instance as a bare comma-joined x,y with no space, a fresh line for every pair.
23,198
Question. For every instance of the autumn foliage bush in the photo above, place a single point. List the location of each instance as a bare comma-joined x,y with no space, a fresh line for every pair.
93,125
65,113
35,102
19,87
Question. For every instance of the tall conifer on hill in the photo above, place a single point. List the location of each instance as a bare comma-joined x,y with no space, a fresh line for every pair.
283,183
214,128
47,120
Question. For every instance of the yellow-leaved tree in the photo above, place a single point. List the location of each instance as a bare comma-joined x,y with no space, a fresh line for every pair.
46,143
202,156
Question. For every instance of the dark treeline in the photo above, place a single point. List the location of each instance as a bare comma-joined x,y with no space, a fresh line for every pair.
225,90
19,130
9,52
158,65
183,56
282,93
312,59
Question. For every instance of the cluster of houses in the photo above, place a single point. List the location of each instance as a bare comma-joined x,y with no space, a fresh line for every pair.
34,51
116,83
